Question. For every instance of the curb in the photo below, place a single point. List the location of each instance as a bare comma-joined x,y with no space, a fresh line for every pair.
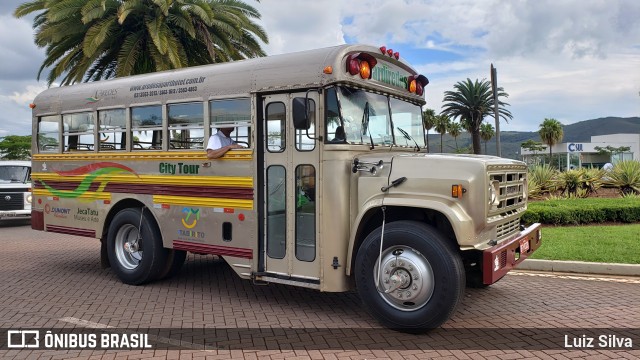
580,267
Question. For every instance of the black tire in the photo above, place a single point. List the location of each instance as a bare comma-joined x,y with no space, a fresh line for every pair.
175,260
135,267
418,244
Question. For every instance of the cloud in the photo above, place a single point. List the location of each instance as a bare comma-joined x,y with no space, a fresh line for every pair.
571,59
27,96
294,25
19,56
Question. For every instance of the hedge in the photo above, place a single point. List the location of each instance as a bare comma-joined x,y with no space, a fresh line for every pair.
583,211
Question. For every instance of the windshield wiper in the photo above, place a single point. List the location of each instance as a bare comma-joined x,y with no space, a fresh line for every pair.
409,137
365,124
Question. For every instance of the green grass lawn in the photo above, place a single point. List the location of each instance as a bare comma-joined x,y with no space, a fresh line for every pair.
611,244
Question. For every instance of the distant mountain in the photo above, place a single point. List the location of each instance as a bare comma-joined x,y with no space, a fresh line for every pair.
511,140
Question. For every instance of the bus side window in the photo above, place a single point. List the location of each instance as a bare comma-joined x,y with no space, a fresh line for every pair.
146,127
112,129
235,113
304,142
186,126
78,131
48,132
332,120
276,127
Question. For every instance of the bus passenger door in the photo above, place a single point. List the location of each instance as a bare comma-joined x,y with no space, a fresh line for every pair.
290,220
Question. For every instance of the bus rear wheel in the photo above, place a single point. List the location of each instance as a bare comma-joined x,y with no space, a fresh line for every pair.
134,246
421,281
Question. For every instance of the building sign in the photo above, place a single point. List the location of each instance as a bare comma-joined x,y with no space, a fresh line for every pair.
572,147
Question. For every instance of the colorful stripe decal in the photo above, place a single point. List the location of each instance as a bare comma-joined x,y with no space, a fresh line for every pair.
99,172
227,181
71,231
151,189
213,249
87,195
202,201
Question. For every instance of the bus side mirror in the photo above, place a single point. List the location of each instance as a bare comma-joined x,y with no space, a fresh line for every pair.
300,113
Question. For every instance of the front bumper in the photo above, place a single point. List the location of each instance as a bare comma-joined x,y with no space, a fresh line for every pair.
15,214
497,261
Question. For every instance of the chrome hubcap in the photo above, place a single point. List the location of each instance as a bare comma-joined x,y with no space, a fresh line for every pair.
406,280
128,250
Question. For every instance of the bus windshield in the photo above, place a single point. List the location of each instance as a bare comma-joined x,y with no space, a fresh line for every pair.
385,115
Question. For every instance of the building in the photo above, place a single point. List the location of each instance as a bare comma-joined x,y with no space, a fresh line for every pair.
572,155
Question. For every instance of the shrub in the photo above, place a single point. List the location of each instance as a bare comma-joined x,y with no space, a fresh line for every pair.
543,179
583,211
580,182
625,175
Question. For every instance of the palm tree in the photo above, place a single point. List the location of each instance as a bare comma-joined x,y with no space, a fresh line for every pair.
551,133
101,39
471,102
454,130
428,121
442,126
486,133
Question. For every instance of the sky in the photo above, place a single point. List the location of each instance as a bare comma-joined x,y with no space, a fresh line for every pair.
571,60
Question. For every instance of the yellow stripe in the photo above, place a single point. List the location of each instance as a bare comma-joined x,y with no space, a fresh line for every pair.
89,195
229,181
209,202
142,156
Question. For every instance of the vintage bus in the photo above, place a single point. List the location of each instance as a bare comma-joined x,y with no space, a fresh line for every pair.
332,190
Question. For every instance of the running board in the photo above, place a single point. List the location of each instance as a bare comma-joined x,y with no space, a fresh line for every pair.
310,283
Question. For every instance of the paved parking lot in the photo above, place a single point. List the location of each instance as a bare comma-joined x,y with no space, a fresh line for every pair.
53,281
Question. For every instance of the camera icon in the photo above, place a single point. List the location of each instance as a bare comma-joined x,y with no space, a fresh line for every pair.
23,339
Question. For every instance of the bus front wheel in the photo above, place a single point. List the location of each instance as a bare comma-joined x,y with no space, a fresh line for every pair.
421,280
134,246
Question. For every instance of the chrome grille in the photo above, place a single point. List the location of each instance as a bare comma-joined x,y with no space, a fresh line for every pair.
11,201
512,187
512,200
508,228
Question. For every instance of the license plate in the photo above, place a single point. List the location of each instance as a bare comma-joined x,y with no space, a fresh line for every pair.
524,245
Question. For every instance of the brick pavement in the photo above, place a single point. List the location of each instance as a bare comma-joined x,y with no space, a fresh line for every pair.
55,281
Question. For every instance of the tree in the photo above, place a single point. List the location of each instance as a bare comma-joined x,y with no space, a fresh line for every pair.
15,147
471,102
100,39
454,130
428,121
609,150
442,126
532,145
551,133
486,133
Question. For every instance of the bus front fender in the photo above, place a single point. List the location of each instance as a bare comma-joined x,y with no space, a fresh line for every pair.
461,223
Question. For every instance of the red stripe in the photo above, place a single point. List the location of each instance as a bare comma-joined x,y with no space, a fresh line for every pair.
213,249
71,231
176,190
83,170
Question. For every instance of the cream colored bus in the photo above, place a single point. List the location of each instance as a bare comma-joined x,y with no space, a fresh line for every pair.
332,190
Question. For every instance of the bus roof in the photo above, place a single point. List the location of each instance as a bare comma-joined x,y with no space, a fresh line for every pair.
239,78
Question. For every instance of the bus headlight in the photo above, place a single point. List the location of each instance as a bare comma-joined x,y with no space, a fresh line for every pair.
28,198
